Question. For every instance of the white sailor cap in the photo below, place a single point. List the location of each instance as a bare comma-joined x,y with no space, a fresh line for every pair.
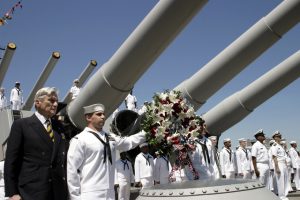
242,140
94,108
213,137
17,82
276,133
293,142
76,80
227,140
143,144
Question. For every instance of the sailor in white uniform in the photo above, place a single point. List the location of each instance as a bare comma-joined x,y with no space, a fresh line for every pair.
202,158
124,177
131,102
280,166
215,157
144,167
227,160
92,155
16,97
295,163
290,169
162,169
3,99
75,89
244,160
260,158
272,178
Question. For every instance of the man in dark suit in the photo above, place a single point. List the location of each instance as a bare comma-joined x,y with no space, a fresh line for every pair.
35,157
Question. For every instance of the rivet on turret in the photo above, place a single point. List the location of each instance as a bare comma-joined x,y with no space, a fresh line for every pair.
204,191
215,190
181,193
171,193
253,186
227,189
246,186
258,185
153,193
147,193
192,192
161,193
237,188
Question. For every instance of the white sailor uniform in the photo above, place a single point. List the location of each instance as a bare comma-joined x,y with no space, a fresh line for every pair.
90,171
75,91
3,102
202,159
260,152
16,97
131,102
162,169
124,177
227,163
244,162
282,177
144,169
296,166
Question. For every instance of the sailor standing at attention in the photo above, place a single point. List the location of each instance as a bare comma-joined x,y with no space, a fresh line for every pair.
227,160
280,167
295,163
162,169
124,177
260,158
16,97
144,168
243,160
92,155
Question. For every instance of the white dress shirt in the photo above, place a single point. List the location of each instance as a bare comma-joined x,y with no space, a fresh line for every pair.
227,161
243,160
162,169
260,152
143,168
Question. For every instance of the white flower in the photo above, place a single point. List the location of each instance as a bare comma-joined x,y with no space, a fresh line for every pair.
163,96
194,133
190,112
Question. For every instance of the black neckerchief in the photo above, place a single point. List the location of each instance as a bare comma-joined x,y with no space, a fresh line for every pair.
147,157
246,152
229,151
106,146
205,151
125,164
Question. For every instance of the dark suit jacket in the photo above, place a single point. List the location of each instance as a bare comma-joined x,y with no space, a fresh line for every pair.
34,165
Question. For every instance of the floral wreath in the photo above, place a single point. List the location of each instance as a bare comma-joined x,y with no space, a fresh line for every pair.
172,126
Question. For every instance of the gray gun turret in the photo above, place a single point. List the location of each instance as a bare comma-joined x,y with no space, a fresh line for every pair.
237,106
82,78
233,59
42,79
109,85
8,54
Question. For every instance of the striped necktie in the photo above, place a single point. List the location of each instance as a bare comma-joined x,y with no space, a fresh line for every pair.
50,130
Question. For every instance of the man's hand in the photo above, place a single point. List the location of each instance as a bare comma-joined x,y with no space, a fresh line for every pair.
15,197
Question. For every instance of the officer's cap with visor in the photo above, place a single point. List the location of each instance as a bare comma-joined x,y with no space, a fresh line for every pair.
276,134
260,132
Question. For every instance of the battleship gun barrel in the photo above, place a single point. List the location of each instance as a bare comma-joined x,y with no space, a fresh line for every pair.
233,59
237,106
82,78
116,78
42,79
9,52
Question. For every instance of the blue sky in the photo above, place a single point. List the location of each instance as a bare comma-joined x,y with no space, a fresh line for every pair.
95,29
